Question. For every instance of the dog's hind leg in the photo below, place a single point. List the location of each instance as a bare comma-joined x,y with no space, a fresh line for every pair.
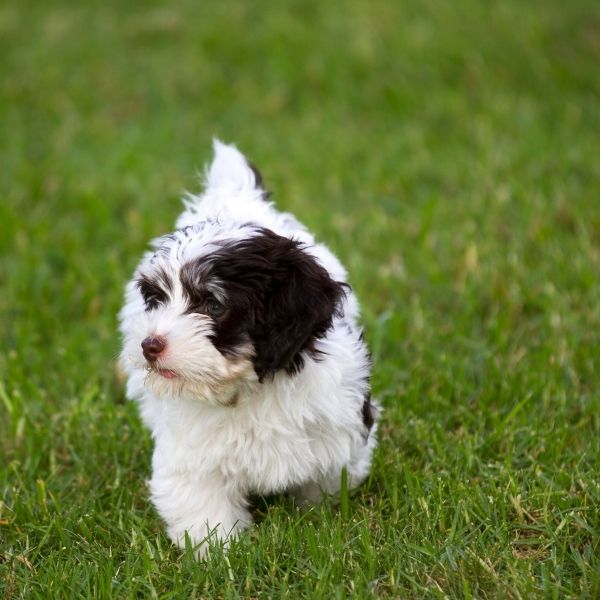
357,470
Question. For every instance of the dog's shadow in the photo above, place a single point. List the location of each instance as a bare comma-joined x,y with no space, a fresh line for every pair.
261,506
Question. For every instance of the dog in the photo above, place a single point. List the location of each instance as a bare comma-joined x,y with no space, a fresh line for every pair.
242,346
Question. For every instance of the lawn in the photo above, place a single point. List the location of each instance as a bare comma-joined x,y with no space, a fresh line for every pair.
448,152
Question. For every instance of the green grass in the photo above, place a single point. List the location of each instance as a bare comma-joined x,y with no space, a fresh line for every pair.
448,151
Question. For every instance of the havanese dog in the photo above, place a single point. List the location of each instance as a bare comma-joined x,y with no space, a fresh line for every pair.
241,345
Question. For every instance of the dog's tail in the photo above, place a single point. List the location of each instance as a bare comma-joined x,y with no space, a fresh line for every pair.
230,170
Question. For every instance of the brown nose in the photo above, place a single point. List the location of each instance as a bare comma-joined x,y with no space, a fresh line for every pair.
152,346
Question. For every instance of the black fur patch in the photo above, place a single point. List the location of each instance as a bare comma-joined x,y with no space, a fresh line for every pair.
258,181
258,178
155,288
278,297
367,412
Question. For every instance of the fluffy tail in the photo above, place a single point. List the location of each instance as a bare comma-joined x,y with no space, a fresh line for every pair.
230,170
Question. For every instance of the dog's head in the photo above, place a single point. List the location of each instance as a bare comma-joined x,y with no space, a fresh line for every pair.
220,303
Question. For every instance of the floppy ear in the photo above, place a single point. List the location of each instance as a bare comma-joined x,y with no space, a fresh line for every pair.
298,308
279,297
231,170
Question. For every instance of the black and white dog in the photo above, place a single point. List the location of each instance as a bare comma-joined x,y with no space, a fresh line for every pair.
242,347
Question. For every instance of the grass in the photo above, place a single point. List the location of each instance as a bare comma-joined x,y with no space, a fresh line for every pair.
447,151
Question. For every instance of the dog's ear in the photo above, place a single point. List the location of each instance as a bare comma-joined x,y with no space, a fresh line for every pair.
231,170
280,297
298,308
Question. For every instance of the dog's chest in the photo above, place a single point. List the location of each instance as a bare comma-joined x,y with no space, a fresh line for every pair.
261,452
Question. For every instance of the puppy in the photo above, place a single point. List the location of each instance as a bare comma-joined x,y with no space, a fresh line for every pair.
242,347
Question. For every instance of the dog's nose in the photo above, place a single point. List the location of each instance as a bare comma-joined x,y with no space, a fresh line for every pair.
152,346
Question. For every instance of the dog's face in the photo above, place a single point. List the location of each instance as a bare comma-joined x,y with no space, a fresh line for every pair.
217,306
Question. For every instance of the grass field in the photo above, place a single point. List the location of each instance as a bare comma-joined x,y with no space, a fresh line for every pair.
448,151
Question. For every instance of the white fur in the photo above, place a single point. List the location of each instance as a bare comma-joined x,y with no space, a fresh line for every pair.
292,433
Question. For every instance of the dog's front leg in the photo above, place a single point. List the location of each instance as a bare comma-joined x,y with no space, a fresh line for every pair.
203,505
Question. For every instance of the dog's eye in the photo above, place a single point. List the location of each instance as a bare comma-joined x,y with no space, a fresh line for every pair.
214,309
